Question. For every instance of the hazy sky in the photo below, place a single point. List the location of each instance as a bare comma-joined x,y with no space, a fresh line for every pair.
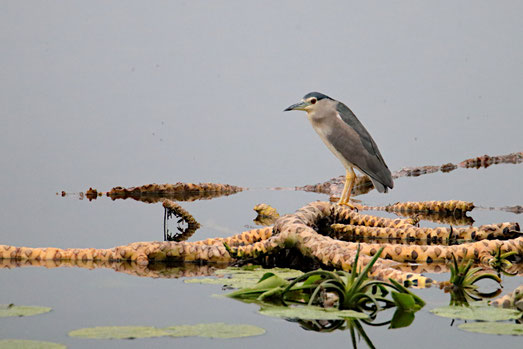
132,92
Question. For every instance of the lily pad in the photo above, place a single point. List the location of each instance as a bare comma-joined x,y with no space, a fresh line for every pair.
211,330
243,277
311,313
119,332
215,330
28,344
477,312
7,310
257,272
493,328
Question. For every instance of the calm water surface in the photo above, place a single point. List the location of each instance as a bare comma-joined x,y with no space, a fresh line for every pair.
128,93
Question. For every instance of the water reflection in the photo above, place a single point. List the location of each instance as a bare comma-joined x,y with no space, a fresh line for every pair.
400,319
363,184
152,270
186,224
440,268
153,193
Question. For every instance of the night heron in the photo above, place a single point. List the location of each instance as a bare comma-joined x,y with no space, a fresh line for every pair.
345,136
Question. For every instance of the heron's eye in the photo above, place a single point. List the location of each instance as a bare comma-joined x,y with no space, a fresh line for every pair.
313,101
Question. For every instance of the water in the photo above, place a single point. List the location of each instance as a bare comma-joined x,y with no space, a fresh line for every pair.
129,93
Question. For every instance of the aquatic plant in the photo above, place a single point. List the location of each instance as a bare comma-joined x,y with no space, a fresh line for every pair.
337,289
462,284
501,263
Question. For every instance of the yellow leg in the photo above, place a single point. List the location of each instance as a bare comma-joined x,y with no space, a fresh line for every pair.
350,177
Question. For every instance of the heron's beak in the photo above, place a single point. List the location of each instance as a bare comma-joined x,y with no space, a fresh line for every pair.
298,106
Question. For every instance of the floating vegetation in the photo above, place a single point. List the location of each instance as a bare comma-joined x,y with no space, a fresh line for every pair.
485,160
358,280
216,330
337,295
363,184
267,214
180,192
477,311
455,207
119,332
462,281
500,261
499,328
210,330
311,313
491,319
28,344
9,310
411,233
305,233
243,277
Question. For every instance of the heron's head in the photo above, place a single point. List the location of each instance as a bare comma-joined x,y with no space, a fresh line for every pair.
309,102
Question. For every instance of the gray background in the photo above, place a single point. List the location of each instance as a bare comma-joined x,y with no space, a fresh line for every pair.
99,94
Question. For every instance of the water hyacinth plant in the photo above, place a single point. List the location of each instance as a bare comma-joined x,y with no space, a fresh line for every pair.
501,263
337,289
462,284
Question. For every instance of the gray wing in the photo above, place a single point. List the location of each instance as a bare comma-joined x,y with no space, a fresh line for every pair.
372,164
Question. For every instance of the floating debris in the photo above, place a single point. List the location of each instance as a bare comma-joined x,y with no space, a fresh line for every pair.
512,300
485,160
445,207
267,215
92,194
180,192
298,232
363,184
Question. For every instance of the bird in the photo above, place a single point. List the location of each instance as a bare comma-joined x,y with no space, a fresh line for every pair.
347,139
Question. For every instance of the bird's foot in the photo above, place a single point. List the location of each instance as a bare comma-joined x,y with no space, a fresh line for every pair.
348,204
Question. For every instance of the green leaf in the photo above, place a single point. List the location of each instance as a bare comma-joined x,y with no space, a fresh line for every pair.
28,344
267,284
215,330
7,310
274,293
311,313
362,276
477,312
401,318
266,276
493,328
403,289
119,332
312,280
405,301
